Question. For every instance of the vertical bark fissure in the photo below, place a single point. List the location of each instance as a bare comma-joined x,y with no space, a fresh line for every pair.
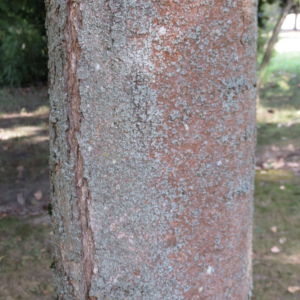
75,118
154,130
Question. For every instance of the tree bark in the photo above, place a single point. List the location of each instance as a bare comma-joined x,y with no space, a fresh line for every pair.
296,21
152,130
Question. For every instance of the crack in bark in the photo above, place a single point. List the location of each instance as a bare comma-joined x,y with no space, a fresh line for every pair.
75,118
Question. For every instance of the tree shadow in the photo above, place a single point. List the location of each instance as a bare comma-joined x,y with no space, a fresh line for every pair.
24,152
272,133
18,100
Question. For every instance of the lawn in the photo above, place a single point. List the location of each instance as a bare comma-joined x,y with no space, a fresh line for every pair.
25,251
276,247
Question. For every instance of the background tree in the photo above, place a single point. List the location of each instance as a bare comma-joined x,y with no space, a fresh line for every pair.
23,51
285,7
152,147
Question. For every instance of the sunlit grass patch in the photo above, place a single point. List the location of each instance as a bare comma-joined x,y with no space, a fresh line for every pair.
282,65
285,62
281,116
23,131
277,176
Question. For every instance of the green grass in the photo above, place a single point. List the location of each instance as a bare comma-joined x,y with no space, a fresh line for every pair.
25,257
280,85
281,65
277,192
24,260
276,224
278,112
270,134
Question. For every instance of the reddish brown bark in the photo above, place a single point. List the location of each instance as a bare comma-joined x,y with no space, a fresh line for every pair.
152,148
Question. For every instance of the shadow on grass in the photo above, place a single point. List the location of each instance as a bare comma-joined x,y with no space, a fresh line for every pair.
273,279
276,235
282,92
24,195
25,260
272,133
17,120
22,99
16,152
24,182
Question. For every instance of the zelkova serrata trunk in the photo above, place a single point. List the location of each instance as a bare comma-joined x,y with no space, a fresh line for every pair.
152,131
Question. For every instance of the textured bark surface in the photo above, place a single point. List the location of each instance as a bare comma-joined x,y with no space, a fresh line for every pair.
152,147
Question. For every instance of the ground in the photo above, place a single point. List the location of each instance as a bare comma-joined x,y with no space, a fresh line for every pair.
25,256
24,188
276,246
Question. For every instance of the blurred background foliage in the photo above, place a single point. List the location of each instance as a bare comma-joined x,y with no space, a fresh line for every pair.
23,45
271,15
23,42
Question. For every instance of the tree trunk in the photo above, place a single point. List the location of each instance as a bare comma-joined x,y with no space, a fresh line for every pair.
274,37
152,131
296,21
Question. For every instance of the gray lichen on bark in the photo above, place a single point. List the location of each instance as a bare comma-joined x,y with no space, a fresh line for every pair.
152,138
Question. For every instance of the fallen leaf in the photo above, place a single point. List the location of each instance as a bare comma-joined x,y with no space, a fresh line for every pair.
275,249
279,163
293,289
20,199
282,240
20,170
273,229
38,195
